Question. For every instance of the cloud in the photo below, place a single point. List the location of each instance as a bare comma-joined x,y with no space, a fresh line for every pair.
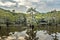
34,0
47,5
21,5
8,4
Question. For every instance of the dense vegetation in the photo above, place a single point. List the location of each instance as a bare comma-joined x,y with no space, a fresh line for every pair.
16,17
13,19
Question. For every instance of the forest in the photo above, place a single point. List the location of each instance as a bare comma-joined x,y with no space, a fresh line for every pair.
12,21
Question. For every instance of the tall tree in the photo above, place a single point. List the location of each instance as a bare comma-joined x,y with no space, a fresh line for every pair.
31,9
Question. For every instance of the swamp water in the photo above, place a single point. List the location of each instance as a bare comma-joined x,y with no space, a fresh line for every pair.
42,34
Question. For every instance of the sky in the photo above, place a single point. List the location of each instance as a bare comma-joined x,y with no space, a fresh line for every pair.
23,5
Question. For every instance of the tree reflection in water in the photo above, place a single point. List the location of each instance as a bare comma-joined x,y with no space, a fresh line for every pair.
31,33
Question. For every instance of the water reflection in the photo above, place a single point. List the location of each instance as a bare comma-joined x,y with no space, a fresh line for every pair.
44,32
43,35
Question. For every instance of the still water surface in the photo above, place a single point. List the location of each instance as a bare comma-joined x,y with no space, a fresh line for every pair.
43,35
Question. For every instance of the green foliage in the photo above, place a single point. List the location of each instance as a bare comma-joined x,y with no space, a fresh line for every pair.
21,18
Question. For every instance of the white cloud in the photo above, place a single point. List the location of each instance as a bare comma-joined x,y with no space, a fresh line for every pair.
8,4
17,0
44,5
24,3
34,0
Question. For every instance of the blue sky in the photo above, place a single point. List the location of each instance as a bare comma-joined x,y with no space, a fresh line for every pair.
23,5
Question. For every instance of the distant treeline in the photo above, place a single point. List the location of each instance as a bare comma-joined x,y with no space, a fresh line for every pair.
24,18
